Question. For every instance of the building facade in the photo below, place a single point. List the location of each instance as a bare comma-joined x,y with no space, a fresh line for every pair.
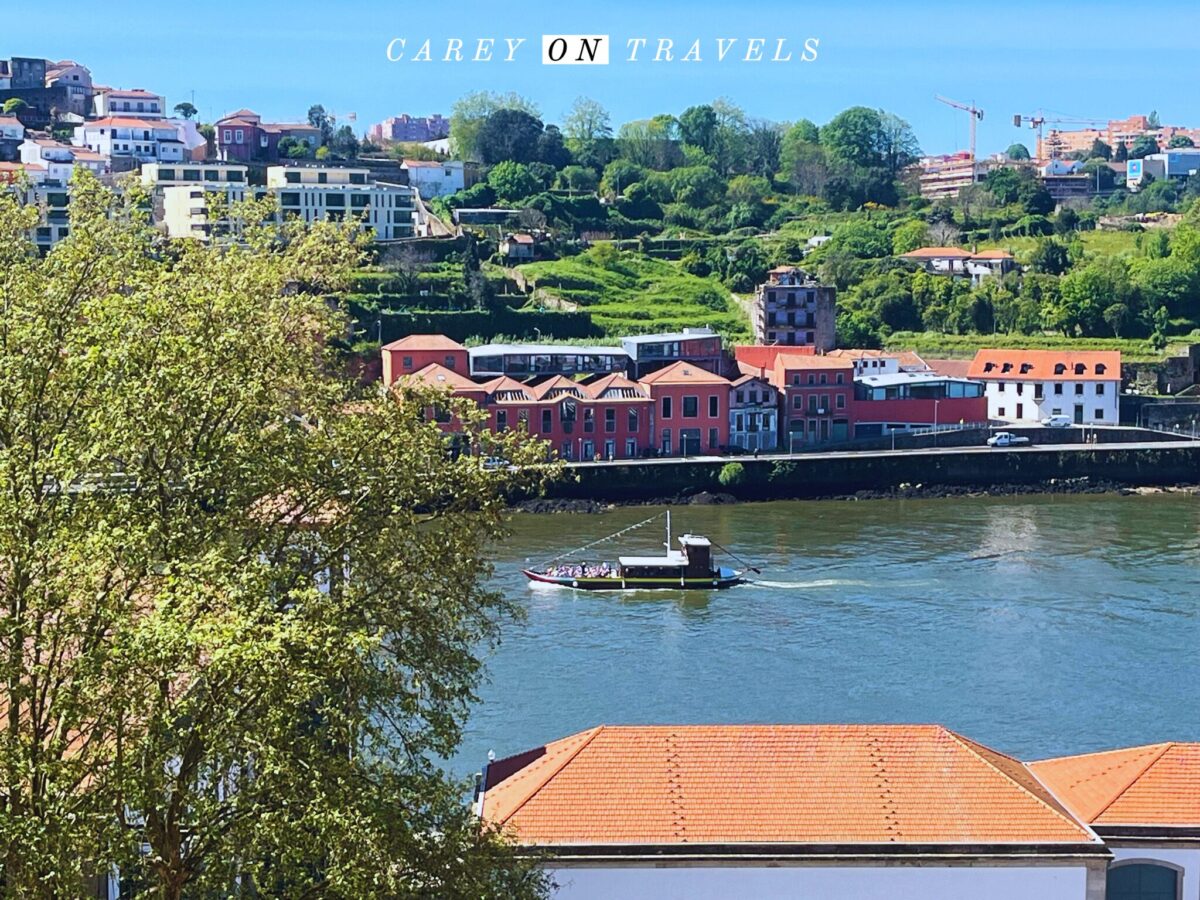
753,415
793,309
145,140
319,193
902,401
137,103
414,129
690,415
1030,385
435,179
648,352
244,137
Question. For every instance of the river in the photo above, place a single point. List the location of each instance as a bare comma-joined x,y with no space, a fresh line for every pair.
1040,625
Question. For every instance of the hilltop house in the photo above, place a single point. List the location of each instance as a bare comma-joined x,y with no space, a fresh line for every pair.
961,263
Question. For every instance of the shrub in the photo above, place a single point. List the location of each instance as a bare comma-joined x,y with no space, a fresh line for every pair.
732,474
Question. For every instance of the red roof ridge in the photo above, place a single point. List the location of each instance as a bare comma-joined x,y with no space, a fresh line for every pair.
548,777
1057,807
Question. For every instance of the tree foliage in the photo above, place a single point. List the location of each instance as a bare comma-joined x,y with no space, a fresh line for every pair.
242,602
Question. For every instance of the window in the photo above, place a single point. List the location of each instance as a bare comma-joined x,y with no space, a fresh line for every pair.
712,439
741,397
824,378
1142,881
1078,389
666,407
1020,389
737,422
589,419
840,378
714,406
449,362
630,448
840,400
1099,414
407,363
1000,412
691,407
338,200
812,379
292,177
1020,410
502,420
359,201
358,178
1037,391
191,174
610,420
1080,368
322,178
547,420
1060,369
1058,388
633,420
1101,368
289,198
212,175
166,174
1100,389
238,136
796,381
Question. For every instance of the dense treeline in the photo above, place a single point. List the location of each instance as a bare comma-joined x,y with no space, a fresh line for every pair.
748,193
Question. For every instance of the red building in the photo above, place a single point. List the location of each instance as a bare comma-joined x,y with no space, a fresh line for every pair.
817,392
415,352
905,400
244,137
691,409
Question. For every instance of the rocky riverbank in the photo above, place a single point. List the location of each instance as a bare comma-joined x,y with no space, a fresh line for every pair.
904,491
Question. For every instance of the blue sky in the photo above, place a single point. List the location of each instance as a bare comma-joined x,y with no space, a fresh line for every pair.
1095,59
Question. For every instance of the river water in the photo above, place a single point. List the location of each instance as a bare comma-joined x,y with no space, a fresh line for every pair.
1039,625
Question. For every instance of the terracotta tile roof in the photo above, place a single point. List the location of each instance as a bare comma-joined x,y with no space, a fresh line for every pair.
129,122
802,361
617,386
762,356
683,373
514,391
992,254
424,342
953,368
439,376
797,784
560,384
910,360
1041,365
1158,784
848,353
937,253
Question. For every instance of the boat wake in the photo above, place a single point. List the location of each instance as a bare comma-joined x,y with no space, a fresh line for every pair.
805,585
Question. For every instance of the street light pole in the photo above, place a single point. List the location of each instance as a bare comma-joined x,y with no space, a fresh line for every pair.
935,422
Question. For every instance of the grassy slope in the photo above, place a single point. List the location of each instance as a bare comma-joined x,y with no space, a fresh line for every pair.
639,295
1095,243
964,346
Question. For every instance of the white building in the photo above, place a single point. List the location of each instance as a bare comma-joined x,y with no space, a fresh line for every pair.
753,414
869,362
182,194
316,193
51,195
11,129
137,103
870,812
1144,802
434,179
146,140
1031,385
60,160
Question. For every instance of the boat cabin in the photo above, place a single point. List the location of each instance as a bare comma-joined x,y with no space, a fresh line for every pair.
692,560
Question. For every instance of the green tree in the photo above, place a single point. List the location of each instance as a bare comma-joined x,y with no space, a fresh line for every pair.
294,148
1100,150
855,136
1152,119
14,105
1122,152
470,112
1116,315
185,110
318,118
579,178
509,134
698,127
344,143
512,181
1017,151
244,606
1180,140
589,133
1143,146
912,235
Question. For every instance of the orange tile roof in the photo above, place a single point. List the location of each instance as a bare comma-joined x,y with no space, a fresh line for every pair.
517,392
615,382
560,383
435,375
130,122
937,253
683,372
848,353
992,254
1158,784
1038,365
953,368
797,784
805,361
424,342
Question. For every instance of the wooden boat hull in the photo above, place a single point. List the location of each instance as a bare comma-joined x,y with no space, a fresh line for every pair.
715,582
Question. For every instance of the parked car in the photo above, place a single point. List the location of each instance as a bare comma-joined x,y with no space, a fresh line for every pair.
1006,439
1057,422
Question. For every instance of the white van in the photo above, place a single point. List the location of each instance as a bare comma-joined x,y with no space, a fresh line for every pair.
1057,422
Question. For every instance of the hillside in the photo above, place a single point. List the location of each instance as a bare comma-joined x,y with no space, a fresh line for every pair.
628,293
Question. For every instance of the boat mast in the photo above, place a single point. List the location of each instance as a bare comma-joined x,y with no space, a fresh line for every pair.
668,531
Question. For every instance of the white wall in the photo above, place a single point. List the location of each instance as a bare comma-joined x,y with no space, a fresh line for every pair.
812,883
1002,402
1188,860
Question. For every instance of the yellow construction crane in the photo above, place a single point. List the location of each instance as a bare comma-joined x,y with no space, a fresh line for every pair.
975,112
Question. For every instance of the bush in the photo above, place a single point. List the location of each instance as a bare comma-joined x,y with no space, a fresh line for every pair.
732,474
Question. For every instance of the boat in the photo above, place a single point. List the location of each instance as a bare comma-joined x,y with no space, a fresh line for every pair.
688,568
